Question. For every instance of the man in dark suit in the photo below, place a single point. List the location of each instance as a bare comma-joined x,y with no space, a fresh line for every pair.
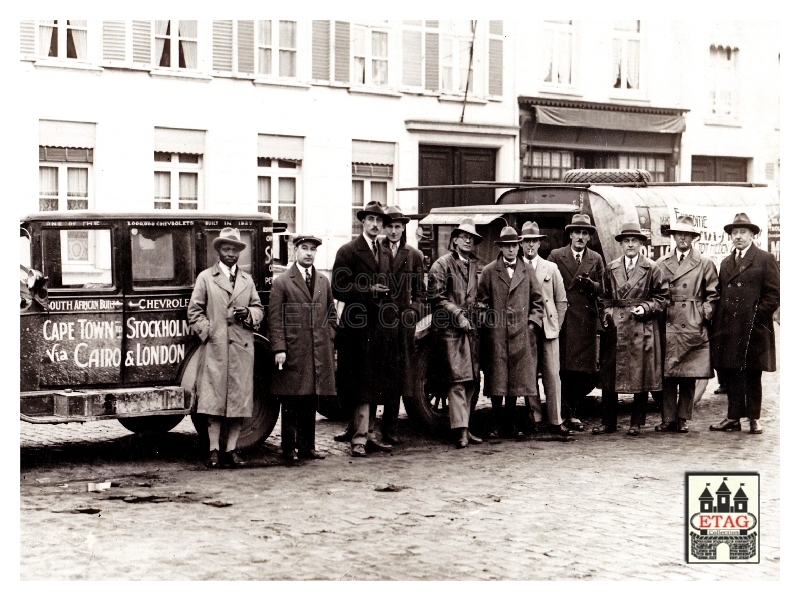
743,337
367,357
407,283
582,270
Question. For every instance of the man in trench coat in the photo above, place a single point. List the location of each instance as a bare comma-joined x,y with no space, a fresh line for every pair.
407,283
631,362
453,292
513,296
583,272
302,326
367,350
743,335
694,293
222,312
544,346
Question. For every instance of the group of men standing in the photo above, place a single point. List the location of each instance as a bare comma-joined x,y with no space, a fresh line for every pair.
662,325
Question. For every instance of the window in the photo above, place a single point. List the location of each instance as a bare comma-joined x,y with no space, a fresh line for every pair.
557,52
370,56
63,39
176,44
177,180
657,166
161,257
245,262
421,55
64,175
626,54
723,81
545,165
277,48
277,190
457,68
77,258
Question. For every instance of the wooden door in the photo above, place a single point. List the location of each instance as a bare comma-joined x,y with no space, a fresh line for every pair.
446,165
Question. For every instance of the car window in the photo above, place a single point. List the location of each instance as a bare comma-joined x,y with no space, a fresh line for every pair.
161,257
77,258
245,257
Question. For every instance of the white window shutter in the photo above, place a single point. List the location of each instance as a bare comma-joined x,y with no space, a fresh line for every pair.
142,43
114,41
27,38
432,61
341,62
412,58
495,67
245,46
321,50
223,46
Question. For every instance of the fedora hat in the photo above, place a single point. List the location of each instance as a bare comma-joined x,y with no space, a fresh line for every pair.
508,235
530,230
742,220
229,235
373,207
395,214
630,230
467,225
580,222
299,238
684,224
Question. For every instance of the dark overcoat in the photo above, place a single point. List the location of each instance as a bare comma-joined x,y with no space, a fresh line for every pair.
407,281
508,366
694,294
631,357
743,335
304,328
453,289
367,338
224,383
578,337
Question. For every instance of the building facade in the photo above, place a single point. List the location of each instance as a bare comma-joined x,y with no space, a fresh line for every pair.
309,120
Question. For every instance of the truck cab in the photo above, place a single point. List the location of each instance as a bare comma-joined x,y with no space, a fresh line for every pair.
103,330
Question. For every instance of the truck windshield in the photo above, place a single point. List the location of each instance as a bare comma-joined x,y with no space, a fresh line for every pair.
161,257
77,258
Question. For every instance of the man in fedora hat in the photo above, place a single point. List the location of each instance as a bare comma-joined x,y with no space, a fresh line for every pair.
583,272
743,336
302,327
407,283
453,293
635,294
694,293
223,310
367,342
512,293
544,346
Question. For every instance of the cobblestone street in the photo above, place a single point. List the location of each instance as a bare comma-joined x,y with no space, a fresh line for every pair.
596,508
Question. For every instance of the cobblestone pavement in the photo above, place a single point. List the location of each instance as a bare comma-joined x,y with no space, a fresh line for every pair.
609,507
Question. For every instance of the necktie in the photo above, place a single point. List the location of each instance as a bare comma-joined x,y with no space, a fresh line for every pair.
737,260
233,278
628,267
394,250
578,258
375,249
680,258
309,283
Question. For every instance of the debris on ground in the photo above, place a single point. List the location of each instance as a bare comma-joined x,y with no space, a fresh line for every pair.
98,487
389,487
82,510
217,503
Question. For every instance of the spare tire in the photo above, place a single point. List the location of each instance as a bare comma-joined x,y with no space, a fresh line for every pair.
607,176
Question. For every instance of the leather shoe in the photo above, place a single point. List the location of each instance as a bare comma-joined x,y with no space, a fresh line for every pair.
727,425
232,459
666,427
493,435
681,426
311,455
721,390
358,450
575,425
290,457
518,436
473,439
561,429
463,439
345,436
390,439
376,445
755,427
212,462
634,430
603,429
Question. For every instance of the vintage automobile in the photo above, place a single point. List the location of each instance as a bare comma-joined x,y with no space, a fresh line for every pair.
610,198
103,331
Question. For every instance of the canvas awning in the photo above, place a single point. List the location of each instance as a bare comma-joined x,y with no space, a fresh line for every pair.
608,119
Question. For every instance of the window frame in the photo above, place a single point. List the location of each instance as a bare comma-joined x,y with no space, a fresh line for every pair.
62,29
531,150
449,32
275,48
359,175
624,36
176,167
370,28
558,28
175,38
62,196
716,75
192,261
83,266
276,172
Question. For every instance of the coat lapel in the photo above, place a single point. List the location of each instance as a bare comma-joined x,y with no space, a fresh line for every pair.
299,281
519,274
221,280
501,272
745,264
400,259
364,252
568,260
639,271
689,263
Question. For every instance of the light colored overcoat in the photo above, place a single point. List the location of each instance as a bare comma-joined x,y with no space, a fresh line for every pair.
554,296
224,383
